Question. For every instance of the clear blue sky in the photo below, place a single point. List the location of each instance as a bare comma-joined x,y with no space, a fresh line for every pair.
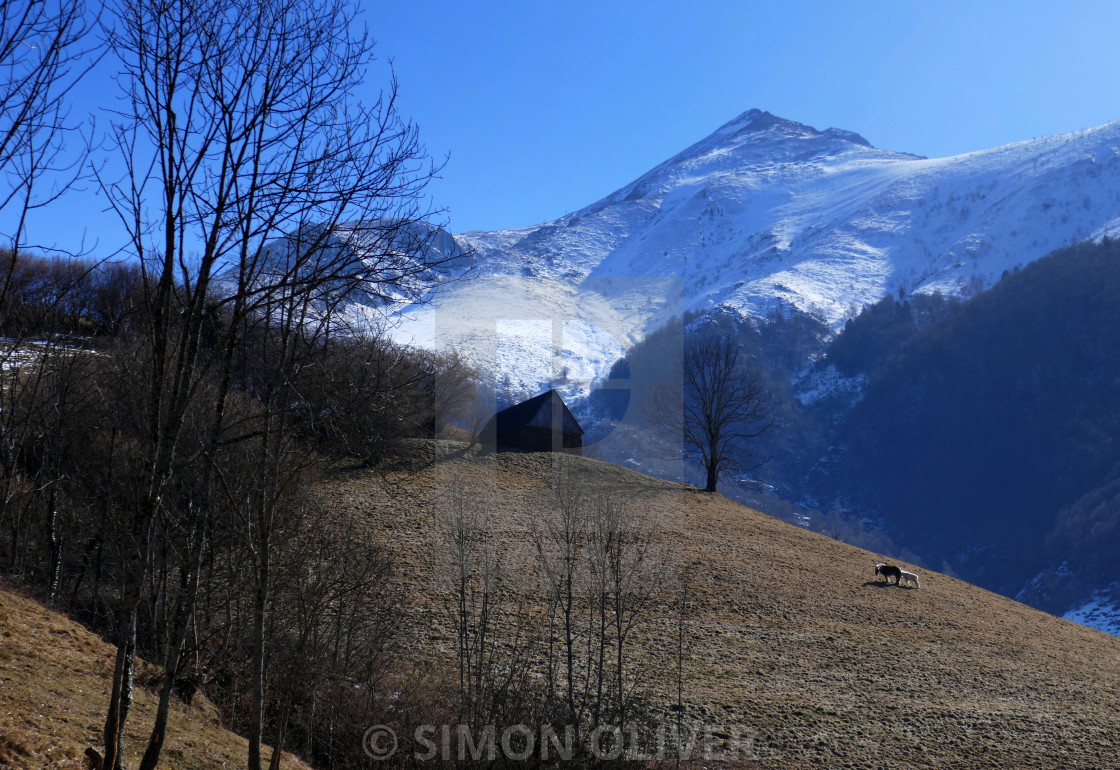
545,107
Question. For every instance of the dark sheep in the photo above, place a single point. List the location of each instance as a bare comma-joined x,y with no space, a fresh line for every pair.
888,571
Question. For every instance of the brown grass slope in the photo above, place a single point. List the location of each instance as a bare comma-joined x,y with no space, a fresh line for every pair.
791,635
54,686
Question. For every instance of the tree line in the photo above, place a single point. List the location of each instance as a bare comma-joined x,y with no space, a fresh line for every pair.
51,296
233,568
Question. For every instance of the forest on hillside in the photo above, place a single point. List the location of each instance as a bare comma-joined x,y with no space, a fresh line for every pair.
177,490
978,436
981,438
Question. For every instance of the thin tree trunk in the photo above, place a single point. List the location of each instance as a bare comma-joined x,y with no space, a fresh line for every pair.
256,719
120,696
113,722
602,662
126,693
285,712
552,652
120,699
569,649
175,645
54,539
619,607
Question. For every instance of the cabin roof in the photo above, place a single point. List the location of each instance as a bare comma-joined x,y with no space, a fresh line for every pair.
538,412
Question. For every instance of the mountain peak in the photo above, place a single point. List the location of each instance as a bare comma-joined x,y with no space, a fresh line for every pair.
754,139
755,121
769,215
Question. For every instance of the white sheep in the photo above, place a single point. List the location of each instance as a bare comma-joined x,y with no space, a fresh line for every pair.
910,577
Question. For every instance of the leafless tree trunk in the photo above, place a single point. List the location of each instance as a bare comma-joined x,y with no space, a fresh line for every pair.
632,580
488,634
683,614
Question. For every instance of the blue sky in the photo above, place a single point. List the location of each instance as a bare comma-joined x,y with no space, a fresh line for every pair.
545,107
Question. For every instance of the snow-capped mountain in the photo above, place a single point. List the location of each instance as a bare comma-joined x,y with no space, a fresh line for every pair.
766,214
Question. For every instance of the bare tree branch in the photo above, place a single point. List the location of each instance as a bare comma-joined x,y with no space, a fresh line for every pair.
42,58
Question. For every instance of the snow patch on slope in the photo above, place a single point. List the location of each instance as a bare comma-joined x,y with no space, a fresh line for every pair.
815,384
1101,611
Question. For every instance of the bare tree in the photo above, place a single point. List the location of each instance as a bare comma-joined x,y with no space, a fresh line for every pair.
331,589
560,537
480,407
449,388
631,579
370,394
258,195
472,572
714,410
601,574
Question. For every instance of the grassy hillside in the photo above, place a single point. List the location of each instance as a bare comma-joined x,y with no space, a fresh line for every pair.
788,633
54,685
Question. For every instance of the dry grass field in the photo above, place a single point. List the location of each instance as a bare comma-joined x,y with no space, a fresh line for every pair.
54,686
789,634
790,639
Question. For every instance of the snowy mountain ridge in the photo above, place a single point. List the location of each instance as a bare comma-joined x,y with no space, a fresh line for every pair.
765,215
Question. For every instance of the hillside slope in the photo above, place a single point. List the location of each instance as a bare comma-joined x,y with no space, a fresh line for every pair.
788,632
54,685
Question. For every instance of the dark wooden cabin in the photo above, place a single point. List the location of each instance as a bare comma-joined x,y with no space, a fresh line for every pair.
541,424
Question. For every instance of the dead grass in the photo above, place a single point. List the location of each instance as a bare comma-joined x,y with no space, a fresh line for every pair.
54,687
791,636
